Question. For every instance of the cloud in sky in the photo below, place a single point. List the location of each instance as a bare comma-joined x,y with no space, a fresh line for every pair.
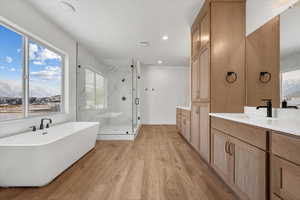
8,59
13,88
38,62
38,53
12,69
49,73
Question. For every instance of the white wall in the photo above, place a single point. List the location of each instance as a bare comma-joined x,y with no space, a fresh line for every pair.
259,12
170,90
30,21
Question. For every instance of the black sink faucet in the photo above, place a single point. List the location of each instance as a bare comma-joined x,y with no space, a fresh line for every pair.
268,106
42,123
284,105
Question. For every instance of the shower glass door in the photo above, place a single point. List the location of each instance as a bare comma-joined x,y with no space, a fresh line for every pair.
135,96
110,98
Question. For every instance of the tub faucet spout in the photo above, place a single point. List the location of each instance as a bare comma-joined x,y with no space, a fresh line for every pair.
42,122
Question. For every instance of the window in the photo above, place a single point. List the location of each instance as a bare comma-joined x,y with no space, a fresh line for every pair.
30,83
45,80
291,87
11,73
95,90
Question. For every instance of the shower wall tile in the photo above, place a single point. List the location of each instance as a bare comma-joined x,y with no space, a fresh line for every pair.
119,86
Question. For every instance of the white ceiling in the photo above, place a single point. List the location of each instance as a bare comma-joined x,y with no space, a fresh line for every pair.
111,29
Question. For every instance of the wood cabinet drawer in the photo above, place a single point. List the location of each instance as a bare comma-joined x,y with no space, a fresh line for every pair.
287,147
187,114
285,179
250,134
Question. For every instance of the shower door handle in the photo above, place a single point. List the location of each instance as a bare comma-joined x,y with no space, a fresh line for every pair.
137,101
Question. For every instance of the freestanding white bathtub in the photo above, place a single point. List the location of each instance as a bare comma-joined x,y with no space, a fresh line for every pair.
36,158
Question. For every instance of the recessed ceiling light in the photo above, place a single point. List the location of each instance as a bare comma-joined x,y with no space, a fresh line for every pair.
67,6
165,37
160,62
143,44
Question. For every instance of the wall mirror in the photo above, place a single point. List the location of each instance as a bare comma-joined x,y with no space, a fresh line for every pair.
290,55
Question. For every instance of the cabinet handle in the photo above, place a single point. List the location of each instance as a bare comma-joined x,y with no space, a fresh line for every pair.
226,147
231,150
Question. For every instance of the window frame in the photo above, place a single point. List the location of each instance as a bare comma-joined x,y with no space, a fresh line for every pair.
95,88
26,76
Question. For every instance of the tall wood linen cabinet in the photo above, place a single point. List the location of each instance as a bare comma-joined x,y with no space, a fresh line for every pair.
218,66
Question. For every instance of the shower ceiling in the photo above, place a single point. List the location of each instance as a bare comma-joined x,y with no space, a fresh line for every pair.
111,29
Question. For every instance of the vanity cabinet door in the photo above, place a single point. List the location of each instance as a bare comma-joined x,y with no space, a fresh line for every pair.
183,124
195,41
221,161
188,127
178,119
195,127
249,170
227,55
204,75
204,131
285,179
205,30
195,80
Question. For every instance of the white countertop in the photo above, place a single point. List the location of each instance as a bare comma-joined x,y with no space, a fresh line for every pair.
183,108
286,125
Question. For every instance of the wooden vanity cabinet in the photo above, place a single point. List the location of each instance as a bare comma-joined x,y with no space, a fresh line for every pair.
200,129
285,179
221,160
205,29
195,126
221,51
204,128
227,56
195,81
183,123
241,164
178,119
285,166
195,41
204,75
249,170
218,47
201,76
187,125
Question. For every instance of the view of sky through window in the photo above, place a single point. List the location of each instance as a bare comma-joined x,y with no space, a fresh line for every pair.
45,72
45,77
11,74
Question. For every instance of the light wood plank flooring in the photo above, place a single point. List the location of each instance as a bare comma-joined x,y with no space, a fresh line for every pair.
159,165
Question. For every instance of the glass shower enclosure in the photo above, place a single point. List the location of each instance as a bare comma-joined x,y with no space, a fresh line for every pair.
117,106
